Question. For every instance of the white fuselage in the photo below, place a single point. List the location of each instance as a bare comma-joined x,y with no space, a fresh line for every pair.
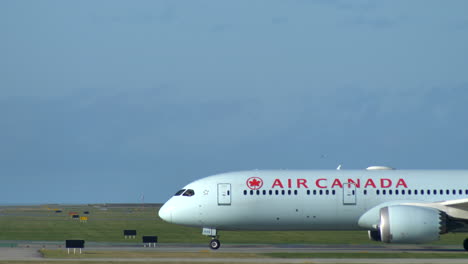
305,200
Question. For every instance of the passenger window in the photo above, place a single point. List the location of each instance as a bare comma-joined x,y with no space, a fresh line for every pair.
189,193
422,192
390,192
264,192
454,192
403,192
365,192
466,191
441,192
327,192
447,192
384,192
289,192
460,192
308,192
251,192
179,192
315,192
270,192
320,192
333,192
295,192
396,192
434,192
258,192
245,192
282,192
276,192
377,192
415,192
409,192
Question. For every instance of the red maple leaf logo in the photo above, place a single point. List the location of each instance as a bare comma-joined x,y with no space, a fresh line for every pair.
254,183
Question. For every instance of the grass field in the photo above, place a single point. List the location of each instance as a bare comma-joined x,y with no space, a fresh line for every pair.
40,223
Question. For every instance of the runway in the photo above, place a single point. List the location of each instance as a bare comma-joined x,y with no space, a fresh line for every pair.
29,252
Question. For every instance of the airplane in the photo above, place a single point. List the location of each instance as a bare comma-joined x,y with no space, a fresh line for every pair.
394,206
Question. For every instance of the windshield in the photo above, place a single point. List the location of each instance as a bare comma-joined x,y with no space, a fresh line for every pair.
179,192
189,192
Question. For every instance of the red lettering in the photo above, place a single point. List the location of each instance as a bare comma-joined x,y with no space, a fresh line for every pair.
385,183
337,182
317,183
402,183
289,183
302,182
370,182
278,183
357,184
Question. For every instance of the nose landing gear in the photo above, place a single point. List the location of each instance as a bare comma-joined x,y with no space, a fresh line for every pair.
214,243
211,232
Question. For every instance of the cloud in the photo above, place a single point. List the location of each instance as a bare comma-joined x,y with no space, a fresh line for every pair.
280,20
373,22
186,90
162,12
221,27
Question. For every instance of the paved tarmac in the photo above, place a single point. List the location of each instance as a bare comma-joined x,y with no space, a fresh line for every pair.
29,252
19,254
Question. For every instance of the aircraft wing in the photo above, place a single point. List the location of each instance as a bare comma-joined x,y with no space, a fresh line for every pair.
459,203
453,208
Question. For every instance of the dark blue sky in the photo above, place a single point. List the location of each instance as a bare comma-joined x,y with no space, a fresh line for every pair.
103,101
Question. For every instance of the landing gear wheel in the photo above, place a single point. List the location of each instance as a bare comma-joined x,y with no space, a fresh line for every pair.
215,244
465,244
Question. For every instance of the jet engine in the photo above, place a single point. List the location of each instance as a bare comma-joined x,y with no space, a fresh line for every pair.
410,224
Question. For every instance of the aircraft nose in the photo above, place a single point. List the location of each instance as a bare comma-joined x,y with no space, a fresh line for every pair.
165,213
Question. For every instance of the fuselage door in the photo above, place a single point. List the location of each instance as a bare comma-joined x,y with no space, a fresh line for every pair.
349,194
224,194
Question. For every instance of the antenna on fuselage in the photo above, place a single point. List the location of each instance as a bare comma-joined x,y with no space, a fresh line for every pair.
339,167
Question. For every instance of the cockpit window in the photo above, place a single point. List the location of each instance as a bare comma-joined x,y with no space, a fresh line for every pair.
179,192
189,192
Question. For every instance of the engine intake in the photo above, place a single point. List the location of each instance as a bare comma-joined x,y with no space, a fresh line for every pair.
374,235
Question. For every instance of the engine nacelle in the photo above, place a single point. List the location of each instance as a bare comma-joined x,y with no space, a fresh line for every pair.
411,224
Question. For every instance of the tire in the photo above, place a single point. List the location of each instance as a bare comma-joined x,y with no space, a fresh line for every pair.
465,244
215,244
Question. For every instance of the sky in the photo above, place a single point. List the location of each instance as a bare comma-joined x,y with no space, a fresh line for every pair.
108,101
